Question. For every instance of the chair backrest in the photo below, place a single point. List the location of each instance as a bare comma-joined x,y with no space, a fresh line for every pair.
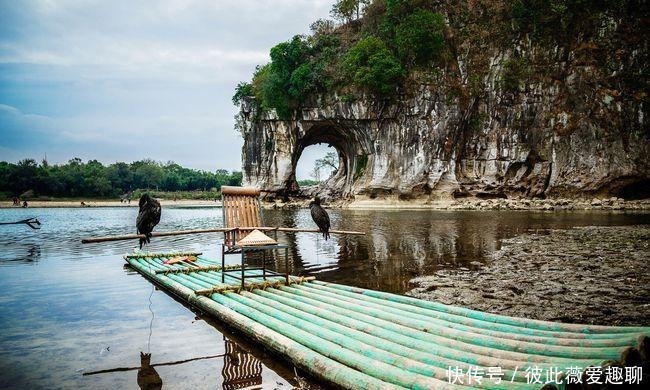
241,208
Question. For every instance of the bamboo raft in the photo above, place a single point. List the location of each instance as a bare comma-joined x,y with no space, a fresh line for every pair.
364,339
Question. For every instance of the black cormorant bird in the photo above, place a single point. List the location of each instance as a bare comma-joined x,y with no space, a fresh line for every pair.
148,217
319,215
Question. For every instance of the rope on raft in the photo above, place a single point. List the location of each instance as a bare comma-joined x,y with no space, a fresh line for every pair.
220,289
144,255
198,269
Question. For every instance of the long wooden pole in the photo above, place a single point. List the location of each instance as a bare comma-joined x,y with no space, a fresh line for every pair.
214,230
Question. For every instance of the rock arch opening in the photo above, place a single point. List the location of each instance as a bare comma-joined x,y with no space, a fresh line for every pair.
317,163
348,147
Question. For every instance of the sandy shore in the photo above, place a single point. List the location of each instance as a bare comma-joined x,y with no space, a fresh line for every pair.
111,203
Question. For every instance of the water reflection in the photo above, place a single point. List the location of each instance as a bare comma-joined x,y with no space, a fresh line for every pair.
403,244
75,300
25,253
148,378
240,368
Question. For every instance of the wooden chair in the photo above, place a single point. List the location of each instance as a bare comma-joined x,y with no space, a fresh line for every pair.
241,215
241,208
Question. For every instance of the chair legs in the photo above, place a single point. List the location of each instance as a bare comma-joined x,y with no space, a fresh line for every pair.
223,263
242,269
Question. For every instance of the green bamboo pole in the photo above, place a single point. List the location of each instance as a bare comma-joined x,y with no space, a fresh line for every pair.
521,322
587,353
491,328
316,323
211,279
342,338
548,346
316,364
474,339
451,349
217,279
186,279
430,352
198,280
372,367
336,307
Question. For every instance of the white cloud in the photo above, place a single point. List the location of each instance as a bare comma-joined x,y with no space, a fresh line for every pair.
96,79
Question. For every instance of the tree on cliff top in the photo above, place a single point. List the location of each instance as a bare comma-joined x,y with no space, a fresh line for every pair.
345,10
396,42
371,65
297,70
419,38
334,59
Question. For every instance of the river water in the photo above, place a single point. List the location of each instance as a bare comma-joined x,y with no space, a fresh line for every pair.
68,309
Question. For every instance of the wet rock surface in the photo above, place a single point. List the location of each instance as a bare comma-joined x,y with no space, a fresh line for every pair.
592,275
558,204
551,204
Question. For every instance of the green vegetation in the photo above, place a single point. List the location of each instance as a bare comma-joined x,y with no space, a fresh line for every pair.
176,195
329,163
419,38
307,182
93,179
548,16
242,90
515,70
382,49
372,51
372,66
346,10
297,70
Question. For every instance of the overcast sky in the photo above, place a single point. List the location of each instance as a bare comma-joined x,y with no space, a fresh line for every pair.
127,80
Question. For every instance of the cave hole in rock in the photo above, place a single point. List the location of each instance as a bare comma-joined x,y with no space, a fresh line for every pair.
316,164
346,144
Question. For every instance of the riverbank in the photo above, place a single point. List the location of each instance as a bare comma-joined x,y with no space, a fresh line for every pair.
365,203
594,275
111,203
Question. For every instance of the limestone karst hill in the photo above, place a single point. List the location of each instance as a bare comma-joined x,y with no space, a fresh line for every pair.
458,98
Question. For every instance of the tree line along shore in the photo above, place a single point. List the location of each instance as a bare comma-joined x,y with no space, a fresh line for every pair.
79,180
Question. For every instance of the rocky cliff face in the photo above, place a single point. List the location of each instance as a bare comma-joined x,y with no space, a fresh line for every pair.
573,124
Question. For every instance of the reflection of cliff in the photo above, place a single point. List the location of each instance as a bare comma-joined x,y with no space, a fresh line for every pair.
303,258
400,245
